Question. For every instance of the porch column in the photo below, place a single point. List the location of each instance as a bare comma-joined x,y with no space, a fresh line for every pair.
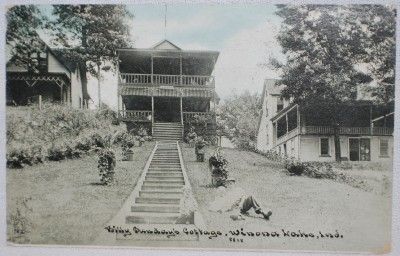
181,110
61,93
152,62
298,119
119,104
180,69
287,123
152,114
370,119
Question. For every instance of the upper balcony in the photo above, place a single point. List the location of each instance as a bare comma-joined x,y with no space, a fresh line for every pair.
164,67
166,80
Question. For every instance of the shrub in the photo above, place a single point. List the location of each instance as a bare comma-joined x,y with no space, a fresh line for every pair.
295,167
23,155
71,151
106,165
56,153
127,142
19,221
217,164
270,155
84,144
97,140
71,132
316,170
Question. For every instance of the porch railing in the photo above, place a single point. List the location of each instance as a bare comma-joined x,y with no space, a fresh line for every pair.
135,115
382,131
287,136
157,79
187,116
327,130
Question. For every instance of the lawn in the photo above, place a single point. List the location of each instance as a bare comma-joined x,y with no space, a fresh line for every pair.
298,203
68,205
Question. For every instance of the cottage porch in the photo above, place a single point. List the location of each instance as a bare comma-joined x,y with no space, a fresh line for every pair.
24,88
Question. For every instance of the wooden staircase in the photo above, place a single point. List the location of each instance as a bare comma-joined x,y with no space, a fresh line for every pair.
159,197
168,131
156,202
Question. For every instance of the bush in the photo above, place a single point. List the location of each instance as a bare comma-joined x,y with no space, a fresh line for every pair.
106,165
84,144
316,170
59,131
218,163
270,155
23,155
295,167
97,140
56,153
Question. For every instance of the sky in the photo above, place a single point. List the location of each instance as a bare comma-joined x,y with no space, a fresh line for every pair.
244,34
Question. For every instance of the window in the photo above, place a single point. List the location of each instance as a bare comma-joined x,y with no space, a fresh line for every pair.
324,146
359,149
281,127
384,148
292,119
279,105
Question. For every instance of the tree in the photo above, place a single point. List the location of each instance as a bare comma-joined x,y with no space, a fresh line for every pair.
237,117
377,29
21,36
324,45
93,33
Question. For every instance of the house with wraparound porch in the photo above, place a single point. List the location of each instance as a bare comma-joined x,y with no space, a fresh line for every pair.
365,129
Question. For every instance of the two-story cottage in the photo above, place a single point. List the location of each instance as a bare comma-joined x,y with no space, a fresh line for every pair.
365,130
54,79
164,87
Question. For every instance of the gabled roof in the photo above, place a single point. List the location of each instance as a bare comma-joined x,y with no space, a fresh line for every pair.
166,45
61,54
270,88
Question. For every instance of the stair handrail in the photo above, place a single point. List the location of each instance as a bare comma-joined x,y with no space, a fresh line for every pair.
198,219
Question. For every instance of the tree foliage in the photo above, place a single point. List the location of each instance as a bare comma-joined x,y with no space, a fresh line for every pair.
237,118
92,32
333,51
326,44
22,39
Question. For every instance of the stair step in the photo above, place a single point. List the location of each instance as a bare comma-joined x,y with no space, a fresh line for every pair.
165,169
158,187
164,182
157,200
161,193
152,165
166,135
168,174
169,130
156,218
160,166
164,178
155,208
165,160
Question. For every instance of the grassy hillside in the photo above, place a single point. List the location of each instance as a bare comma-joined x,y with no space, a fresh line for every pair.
55,132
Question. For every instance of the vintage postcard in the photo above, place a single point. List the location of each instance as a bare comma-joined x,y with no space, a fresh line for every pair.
210,126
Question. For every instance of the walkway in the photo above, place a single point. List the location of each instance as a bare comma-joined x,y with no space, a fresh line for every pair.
156,200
